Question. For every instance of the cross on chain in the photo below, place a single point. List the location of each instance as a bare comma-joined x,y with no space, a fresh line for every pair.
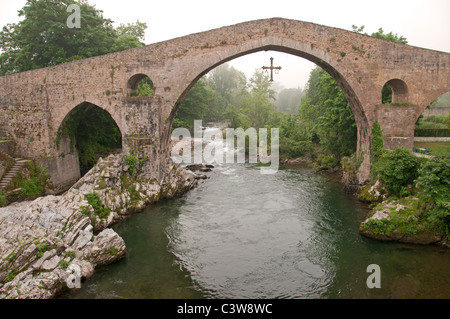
271,68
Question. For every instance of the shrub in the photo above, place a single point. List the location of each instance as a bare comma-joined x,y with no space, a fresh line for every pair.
434,182
3,200
377,142
35,186
327,162
398,169
131,161
99,209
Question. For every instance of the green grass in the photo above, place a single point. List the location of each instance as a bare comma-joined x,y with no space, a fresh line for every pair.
437,148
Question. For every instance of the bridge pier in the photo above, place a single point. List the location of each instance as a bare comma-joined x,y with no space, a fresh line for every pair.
397,122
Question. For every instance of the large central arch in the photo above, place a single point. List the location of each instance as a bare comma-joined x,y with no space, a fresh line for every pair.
321,58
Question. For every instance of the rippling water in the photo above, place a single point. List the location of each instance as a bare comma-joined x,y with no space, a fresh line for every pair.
241,234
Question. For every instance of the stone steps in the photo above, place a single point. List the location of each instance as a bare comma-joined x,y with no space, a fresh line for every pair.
9,176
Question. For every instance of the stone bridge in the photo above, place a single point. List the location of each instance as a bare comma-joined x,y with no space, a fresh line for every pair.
34,104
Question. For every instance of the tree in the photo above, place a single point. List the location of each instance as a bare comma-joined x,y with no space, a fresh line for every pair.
195,105
399,168
381,35
434,182
43,38
227,83
257,104
129,36
288,100
328,113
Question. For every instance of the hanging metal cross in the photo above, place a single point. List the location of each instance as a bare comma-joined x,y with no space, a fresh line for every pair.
271,68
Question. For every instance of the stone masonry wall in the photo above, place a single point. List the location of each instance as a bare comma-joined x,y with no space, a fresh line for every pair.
33,104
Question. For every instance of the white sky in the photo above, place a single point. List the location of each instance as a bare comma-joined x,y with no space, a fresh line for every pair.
425,23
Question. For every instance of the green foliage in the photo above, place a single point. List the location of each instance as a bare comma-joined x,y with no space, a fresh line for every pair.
296,138
442,101
195,105
327,162
11,275
85,211
377,142
212,97
398,169
432,126
405,221
288,100
131,161
328,114
447,121
381,35
257,103
42,38
389,36
135,195
386,94
112,251
434,183
93,133
99,209
237,118
64,263
37,183
3,199
432,132
145,87
42,248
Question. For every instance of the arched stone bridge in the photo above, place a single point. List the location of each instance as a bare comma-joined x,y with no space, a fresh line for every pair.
34,104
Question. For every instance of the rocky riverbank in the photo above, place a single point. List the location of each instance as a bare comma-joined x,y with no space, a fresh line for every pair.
389,219
397,219
48,244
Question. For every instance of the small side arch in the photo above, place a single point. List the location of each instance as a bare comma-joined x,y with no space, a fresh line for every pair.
395,91
88,132
140,85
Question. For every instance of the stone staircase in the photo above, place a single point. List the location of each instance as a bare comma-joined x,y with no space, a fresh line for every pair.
15,169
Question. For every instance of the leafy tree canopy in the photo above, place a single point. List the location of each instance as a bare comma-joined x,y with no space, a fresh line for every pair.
381,35
43,38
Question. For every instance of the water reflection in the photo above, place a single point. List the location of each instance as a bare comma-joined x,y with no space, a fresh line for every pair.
245,235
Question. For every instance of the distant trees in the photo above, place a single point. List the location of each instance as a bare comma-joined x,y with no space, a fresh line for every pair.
318,120
225,95
288,100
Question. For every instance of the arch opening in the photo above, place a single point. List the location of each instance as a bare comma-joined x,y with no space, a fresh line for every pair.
140,85
432,129
89,132
349,93
395,91
343,94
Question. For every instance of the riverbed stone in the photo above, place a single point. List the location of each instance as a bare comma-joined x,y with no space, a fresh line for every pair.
54,228
50,264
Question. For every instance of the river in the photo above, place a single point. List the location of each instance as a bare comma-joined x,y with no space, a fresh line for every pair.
241,234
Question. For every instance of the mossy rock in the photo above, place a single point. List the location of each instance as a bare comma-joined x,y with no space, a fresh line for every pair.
372,193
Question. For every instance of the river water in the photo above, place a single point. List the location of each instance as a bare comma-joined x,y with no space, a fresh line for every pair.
245,235
241,234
